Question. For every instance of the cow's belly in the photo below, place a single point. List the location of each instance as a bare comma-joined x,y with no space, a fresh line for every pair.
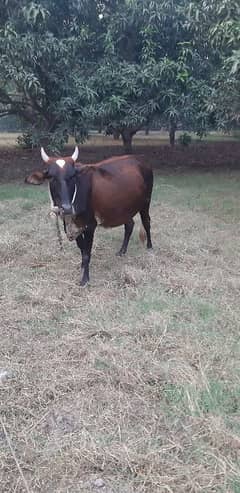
116,217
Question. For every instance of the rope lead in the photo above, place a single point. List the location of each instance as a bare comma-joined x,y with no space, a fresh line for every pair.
59,235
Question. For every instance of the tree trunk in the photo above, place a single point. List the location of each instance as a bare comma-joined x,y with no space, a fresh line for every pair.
172,131
127,136
116,134
100,126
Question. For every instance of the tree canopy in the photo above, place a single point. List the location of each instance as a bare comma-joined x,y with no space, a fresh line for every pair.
47,53
67,65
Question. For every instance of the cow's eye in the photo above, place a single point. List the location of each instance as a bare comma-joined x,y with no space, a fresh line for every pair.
46,172
50,173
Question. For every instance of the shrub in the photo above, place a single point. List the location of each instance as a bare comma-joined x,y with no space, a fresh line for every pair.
185,139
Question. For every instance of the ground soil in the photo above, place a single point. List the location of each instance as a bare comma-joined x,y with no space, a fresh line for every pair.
16,163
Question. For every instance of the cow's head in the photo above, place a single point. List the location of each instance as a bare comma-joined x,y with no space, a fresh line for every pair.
61,174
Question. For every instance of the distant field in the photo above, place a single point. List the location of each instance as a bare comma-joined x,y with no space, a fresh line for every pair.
9,139
133,381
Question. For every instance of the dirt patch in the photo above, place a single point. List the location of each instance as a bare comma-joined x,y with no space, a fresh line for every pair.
16,163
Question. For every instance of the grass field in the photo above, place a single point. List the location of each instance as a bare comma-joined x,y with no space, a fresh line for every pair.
131,384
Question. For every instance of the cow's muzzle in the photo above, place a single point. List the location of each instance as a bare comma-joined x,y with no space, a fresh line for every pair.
66,210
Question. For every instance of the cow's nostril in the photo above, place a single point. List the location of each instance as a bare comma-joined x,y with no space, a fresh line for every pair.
67,209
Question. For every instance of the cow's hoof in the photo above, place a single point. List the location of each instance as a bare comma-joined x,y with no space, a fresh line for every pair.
84,282
120,253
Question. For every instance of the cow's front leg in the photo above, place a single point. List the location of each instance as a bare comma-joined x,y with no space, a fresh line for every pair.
84,242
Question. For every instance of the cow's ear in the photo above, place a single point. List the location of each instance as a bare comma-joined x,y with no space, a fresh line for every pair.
36,178
84,180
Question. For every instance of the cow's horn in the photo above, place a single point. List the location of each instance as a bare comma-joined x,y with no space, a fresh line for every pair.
44,155
75,154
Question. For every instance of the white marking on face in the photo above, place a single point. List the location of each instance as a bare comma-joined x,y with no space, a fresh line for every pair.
60,162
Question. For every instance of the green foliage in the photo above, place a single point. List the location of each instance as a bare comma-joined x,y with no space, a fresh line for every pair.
123,65
185,139
151,71
25,141
45,73
218,30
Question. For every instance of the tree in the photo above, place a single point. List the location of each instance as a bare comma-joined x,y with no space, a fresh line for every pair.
151,70
130,81
118,64
217,31
47,52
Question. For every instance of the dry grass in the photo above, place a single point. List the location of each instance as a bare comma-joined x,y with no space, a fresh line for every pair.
135,379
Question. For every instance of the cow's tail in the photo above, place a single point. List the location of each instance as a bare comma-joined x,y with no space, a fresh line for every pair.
142,234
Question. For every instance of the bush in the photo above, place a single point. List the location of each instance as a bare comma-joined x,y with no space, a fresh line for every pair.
26,141
33,138
185,139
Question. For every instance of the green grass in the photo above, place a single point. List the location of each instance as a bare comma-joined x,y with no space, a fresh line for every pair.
37,194
216,399
215,195
236,485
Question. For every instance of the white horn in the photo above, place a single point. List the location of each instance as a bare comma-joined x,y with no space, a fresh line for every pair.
44,155
75,154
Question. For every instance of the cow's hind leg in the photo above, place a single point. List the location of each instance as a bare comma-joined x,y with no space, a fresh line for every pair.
84,242
146,221
128,229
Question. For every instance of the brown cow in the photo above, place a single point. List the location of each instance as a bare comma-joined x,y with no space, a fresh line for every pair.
109,193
